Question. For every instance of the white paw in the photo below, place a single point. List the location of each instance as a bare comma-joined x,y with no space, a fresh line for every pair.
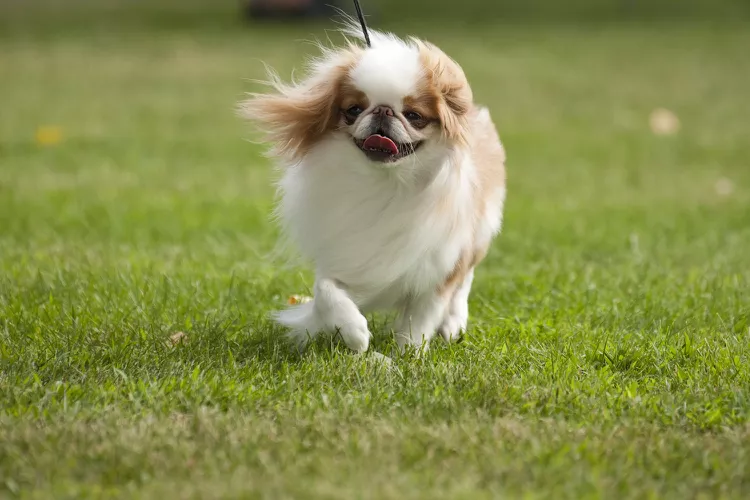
305,322
355,334
453,326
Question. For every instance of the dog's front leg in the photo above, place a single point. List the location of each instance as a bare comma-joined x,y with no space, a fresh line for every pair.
338,312
331,310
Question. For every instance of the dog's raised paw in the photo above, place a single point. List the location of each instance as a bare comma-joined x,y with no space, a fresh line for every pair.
355,334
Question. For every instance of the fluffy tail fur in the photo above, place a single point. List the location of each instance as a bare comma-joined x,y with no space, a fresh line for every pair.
302,322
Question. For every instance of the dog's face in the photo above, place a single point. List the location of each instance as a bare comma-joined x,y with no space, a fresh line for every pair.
390,104
399,98
389,131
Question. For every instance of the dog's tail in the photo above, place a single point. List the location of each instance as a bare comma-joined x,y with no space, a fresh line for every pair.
302,322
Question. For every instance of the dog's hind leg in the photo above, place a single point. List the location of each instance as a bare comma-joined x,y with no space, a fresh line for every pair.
457,314
419,319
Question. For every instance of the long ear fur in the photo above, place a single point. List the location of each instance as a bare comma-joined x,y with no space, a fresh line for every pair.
449,82
297,115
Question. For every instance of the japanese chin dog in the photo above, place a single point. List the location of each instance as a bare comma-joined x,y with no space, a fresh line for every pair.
393,184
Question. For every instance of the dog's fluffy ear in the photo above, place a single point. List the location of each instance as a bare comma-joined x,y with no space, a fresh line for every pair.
448,83
297,115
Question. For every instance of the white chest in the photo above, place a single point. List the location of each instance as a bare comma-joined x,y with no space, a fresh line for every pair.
380,240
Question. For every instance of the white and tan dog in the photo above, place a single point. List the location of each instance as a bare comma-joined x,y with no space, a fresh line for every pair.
393,185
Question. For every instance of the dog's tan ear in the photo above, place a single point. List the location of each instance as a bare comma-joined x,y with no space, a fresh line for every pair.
297,115
450,85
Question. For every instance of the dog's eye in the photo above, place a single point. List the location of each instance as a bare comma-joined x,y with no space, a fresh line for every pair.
412,116
354,111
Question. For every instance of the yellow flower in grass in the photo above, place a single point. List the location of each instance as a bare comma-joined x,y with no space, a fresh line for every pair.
48,135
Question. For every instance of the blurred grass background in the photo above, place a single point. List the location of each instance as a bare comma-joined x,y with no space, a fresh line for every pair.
608,354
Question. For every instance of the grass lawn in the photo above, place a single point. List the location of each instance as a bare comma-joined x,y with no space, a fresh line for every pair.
609,345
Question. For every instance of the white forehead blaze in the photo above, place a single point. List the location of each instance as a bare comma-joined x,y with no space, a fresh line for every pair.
388,72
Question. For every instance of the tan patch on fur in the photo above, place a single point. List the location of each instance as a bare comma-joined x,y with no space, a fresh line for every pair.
297,116
446,86
469,259
457,275
425,103
351,96
488,155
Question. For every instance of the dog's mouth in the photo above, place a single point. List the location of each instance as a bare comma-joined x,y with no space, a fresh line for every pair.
381,148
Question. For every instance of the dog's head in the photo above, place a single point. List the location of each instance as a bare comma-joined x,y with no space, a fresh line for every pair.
390,103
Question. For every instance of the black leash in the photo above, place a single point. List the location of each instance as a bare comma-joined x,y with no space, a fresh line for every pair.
362,22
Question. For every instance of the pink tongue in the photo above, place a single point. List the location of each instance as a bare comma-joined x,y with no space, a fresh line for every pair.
382,143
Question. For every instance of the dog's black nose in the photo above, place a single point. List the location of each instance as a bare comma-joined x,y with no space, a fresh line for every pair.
387,111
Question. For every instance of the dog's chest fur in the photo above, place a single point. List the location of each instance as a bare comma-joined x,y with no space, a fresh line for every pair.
382,238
